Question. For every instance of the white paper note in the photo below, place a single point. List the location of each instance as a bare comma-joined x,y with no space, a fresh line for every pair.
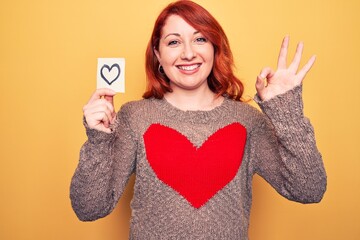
111,74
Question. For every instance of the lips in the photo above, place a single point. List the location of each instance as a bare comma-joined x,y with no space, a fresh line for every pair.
191,67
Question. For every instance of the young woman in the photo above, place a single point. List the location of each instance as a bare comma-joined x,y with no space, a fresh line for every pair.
192,142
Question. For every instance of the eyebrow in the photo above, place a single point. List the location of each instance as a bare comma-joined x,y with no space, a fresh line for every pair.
178,34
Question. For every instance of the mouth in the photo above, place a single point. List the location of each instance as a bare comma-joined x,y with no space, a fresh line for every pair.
191,67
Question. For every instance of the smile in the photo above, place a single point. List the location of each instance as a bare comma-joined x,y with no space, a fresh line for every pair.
189,67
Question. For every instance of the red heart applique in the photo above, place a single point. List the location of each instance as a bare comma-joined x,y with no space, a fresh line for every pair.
196,173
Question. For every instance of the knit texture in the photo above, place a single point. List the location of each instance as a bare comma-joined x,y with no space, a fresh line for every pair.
194,169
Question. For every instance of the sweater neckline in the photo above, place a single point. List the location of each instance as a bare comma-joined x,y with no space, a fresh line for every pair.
193,116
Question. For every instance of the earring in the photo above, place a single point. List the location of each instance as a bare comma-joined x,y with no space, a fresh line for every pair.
161,69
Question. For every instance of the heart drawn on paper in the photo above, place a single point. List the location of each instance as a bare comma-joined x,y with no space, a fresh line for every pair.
195,173
110,74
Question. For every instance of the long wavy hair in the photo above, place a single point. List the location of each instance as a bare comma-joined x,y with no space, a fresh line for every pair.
221,80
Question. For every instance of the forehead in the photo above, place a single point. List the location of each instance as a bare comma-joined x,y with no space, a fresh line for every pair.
176,24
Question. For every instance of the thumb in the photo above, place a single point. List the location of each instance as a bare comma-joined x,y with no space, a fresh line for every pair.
266,73
262,79
260,83
110,99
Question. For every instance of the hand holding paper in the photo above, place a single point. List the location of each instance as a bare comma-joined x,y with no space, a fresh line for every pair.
99,112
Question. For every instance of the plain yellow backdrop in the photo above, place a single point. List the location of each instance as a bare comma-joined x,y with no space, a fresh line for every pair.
49,52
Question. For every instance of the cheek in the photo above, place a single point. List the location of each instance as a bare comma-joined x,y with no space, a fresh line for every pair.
172,57
209,58
168,56
211,53
208,54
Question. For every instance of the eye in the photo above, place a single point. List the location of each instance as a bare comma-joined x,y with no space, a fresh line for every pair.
201,40
173,43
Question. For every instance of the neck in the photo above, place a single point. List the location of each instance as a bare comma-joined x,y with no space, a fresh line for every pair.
190,100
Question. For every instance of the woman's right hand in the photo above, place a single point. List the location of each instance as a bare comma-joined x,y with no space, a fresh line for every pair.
99,112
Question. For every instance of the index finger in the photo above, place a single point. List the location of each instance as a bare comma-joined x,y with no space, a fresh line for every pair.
102,92
283,53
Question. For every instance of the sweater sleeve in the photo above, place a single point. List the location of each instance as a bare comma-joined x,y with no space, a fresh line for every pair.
106,162
285,149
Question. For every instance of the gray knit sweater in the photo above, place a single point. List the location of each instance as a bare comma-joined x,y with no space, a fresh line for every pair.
194,169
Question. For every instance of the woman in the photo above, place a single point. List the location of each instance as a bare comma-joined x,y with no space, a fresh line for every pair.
193,144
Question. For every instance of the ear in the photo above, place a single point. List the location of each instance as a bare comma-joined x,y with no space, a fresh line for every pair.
157,54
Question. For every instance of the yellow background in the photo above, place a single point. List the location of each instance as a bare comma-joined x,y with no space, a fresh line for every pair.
49,52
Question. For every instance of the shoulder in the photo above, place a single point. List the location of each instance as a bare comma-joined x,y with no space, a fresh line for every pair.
137,111
247,109
246,113
135,104
133,107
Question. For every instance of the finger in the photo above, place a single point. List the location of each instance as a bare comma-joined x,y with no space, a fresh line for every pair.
101,105
104,120
294,66
99,118
110,99
101,92
98,109
110,106
283,53
302,73
97,103
107,104
260,84
113,118
266,73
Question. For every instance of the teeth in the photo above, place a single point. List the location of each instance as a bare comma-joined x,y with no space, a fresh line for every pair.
189,68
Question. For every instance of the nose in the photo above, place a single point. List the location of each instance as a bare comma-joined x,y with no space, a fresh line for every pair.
188,53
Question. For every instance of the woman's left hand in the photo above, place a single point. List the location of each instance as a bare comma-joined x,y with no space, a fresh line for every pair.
270,84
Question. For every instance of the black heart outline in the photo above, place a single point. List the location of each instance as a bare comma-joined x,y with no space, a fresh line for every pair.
109,68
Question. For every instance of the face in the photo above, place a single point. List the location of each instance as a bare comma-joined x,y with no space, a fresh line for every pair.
186,56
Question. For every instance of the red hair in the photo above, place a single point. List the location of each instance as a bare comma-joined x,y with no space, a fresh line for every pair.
221,80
